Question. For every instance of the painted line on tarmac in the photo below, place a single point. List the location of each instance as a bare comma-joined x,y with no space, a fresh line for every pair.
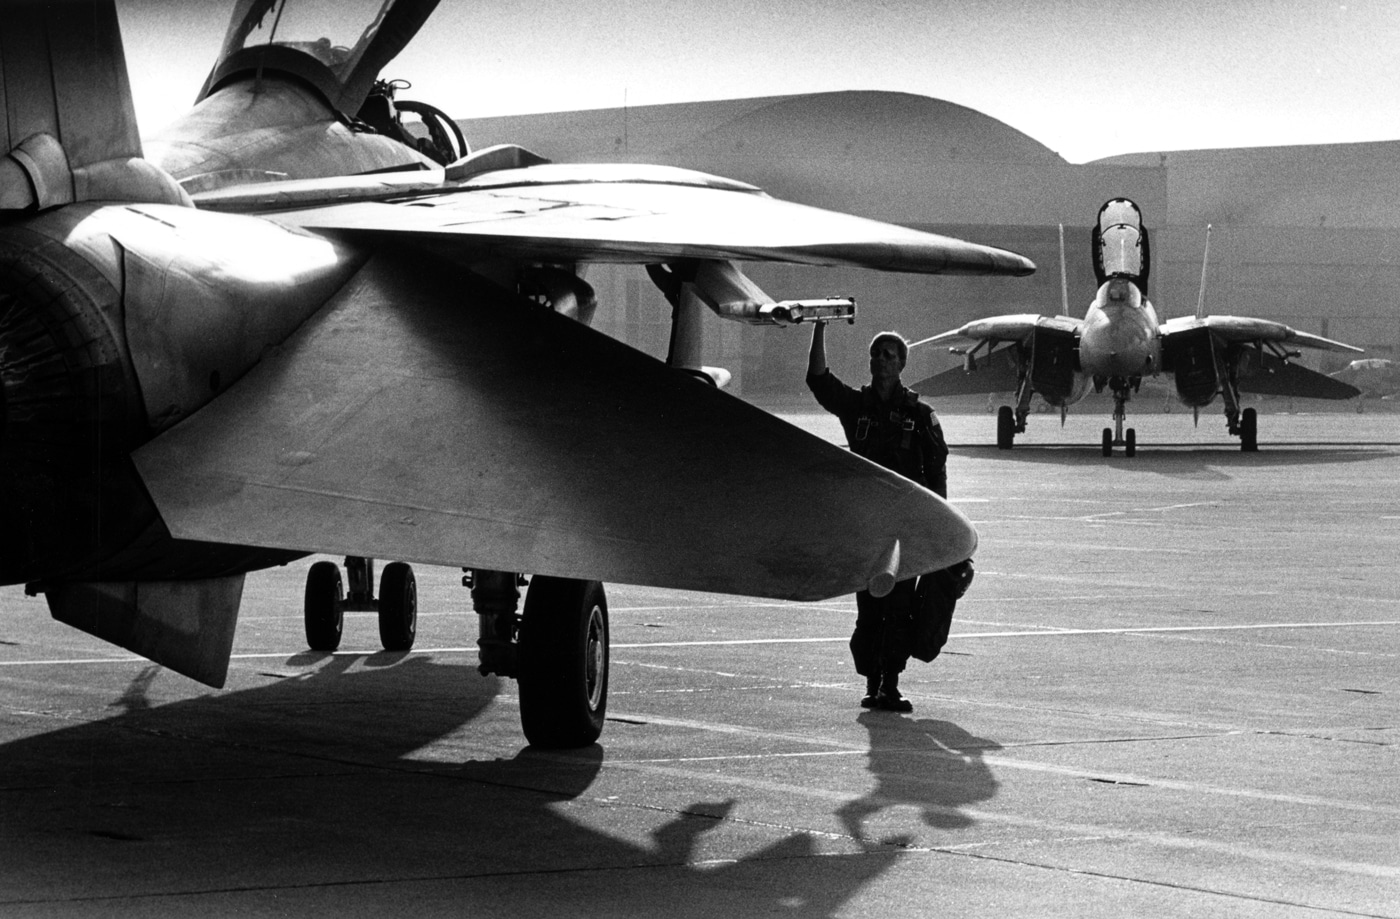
1032,633
1047,631
1165,840
937,750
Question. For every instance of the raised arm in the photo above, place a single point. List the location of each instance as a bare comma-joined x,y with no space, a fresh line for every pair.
816,357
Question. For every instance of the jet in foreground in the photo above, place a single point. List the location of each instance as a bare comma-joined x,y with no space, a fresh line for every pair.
308,318
1120,341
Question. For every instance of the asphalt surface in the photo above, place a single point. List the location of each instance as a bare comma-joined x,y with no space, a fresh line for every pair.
1173,690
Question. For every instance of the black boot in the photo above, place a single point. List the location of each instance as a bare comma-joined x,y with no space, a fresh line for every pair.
872,692
889,698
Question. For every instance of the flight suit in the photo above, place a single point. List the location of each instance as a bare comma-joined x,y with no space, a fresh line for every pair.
903,435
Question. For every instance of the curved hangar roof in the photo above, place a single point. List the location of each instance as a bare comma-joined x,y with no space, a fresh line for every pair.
877,154
862,124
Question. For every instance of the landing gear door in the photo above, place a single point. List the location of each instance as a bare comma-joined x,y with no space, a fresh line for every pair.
1054,359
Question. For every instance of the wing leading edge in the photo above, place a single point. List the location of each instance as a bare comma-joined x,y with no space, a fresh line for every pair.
423,415
617,213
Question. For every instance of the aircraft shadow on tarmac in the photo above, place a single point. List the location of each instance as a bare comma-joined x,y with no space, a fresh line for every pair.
308,785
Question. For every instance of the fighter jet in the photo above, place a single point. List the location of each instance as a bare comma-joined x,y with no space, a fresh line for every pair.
1119,342
308,318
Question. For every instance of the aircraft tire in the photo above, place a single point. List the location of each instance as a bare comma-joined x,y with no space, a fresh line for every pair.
1249,431
1108,441
398,607
1006,427
323,607
1130,442
563,662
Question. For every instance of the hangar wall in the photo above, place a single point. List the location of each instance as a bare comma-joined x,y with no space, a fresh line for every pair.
1307,235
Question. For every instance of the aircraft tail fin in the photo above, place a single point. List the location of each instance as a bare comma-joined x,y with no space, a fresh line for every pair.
1064,282
69,131
1205,261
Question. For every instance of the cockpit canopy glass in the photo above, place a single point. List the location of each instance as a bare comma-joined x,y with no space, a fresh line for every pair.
335,32
1121,251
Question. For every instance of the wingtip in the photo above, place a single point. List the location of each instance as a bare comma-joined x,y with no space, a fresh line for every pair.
1020,266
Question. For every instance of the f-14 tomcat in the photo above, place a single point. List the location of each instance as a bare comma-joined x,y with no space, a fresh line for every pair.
292,324
1120,341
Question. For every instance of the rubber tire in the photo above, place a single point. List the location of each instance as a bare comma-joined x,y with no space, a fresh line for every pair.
563,662
1249,431
1006,427
1107,441
322,607
1130,442
398,607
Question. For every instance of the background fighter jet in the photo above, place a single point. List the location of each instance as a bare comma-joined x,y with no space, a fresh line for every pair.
299,321
1119,341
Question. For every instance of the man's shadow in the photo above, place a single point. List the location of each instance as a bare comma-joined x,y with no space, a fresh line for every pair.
932,765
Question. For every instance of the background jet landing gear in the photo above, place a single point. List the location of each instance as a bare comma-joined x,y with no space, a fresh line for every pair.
1006,427
557,650
1116,436
1012,421
1248,430
325,603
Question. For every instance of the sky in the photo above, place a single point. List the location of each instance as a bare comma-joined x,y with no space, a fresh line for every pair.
1087,78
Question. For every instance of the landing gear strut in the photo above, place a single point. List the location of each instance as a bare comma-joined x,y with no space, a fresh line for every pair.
557,650
1243,424
325,602
1012,421
1117,436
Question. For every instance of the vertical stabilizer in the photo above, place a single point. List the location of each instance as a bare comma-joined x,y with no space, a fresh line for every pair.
63,73
1064,281
69,131
1205,261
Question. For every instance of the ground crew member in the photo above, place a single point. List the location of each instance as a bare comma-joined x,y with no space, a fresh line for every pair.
886,423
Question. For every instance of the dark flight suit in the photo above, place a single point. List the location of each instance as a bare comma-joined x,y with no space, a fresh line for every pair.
903,435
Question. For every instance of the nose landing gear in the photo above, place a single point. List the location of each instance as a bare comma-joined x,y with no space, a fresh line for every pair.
1117,436
325,603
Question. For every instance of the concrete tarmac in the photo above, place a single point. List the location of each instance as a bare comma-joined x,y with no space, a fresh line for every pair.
1173,690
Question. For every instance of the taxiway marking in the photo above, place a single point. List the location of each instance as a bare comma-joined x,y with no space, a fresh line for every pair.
1046,631
1062,828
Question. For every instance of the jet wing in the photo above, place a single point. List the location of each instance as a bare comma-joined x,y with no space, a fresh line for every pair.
427,416
1245,329
610,213
996,371
1272,376
1017,327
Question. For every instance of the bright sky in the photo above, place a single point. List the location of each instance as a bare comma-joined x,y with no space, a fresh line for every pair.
1088,78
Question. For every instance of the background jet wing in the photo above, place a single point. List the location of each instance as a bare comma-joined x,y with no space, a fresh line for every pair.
1246,329
995,371
1016,327
1269,375
617,213
427,416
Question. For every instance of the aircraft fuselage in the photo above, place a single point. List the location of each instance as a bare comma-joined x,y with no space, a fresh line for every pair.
1119,337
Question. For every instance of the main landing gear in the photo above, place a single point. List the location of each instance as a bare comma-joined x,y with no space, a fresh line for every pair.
1244,424
1012,421
557,649
325,602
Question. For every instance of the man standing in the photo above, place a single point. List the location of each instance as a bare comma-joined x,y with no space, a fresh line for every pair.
887,424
